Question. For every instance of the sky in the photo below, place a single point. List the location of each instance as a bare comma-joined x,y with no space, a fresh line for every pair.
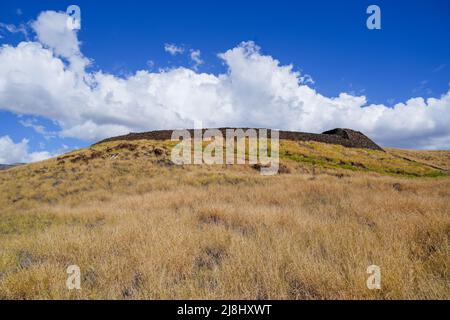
293,65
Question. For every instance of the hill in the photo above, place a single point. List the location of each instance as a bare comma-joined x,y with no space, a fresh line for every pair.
9,166
140,227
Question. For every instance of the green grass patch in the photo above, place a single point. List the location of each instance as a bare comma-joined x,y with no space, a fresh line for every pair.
25,223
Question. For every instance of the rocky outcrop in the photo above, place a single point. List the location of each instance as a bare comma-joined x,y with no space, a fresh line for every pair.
345,137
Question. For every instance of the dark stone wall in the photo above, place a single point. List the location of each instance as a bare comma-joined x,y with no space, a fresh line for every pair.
345,137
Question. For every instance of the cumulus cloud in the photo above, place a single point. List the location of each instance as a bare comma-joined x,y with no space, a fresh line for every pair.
52,32
11,152
39,78
172,49
195,57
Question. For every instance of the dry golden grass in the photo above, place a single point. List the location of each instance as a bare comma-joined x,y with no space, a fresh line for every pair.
438,158
140,228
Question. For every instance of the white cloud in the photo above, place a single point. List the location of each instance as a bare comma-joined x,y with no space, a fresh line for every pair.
306,79
150,64
52,31
32,123
11,152
195,57
257,90
172,49
11,28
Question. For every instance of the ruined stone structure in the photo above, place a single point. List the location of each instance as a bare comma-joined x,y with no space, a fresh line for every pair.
345,137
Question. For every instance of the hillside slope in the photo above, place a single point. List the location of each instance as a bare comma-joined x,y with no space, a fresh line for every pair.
140,227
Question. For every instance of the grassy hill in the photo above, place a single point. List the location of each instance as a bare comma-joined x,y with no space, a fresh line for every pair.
140,227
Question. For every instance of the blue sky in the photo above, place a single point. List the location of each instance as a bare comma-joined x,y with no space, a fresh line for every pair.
327,40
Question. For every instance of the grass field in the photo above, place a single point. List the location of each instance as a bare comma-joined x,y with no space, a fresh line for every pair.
141,228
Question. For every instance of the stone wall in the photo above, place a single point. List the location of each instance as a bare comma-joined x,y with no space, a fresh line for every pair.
345,137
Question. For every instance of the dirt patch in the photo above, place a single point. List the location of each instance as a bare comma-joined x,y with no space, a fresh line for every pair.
301,290
135,286
26,259
159,152
165,163
366,222
210,216
90,278
108,153
233,223
428,242
83,157
357,165
96,223
282,169
122,146
339,175
211,256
